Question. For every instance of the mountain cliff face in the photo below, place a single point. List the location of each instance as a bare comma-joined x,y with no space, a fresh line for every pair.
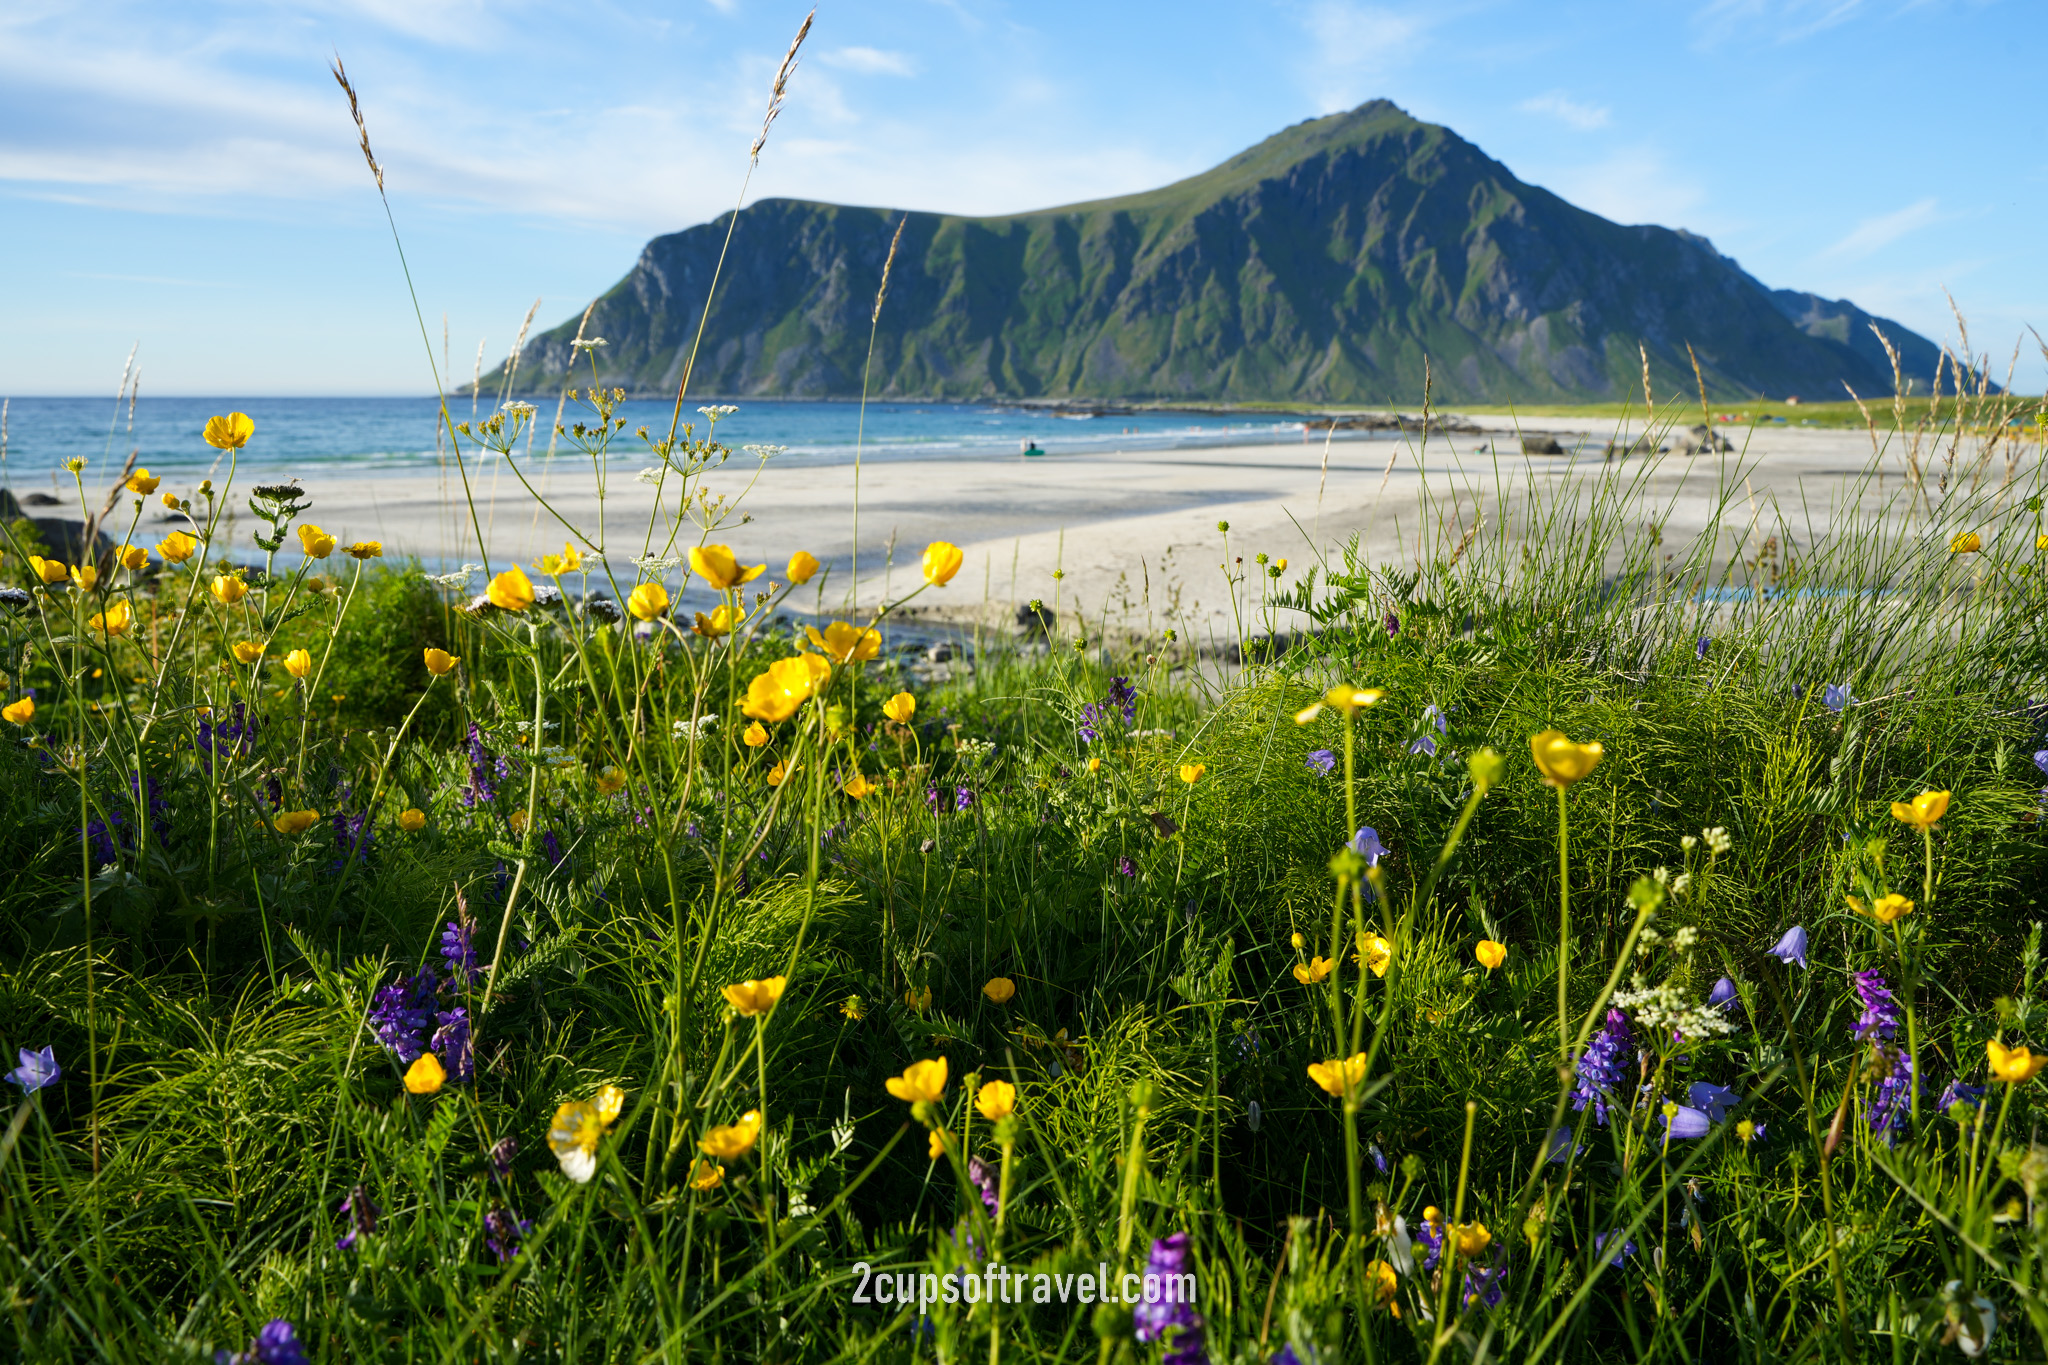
1321,266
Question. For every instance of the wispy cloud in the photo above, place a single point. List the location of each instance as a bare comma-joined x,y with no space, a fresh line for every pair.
1565,109
869,61
1874,234
1357,46
1634,185
1783,21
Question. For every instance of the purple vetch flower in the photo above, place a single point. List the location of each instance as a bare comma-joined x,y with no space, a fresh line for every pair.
1880,1018
362,1214
1791,948
983,1177
1836,698
458,948
1724,995
1688,1122
1393,625
1366,844
552,848
1622,1252
451,1043
501,1157
1168,1313
1601,1070
963,800
931,798
504,1230
1891,1111
1124,698
1324,761
1960,1092
1379,1158
37,1070
1284,1356
1484,1284
1125,867
1699,651
402,1014
1430,1233
1713,1100
480,789
276,1344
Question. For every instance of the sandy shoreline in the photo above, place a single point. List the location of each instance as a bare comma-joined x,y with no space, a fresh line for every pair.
1133,535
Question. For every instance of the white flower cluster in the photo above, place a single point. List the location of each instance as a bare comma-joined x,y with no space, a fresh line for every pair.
693,729
589,345
656,564
651,474
1663,1009
975,750
718,410
1717,839
764,453
456,579
517,409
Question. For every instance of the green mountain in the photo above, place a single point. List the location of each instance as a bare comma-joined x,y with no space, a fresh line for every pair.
1321,266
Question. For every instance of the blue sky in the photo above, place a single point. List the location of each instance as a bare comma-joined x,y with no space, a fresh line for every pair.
183,173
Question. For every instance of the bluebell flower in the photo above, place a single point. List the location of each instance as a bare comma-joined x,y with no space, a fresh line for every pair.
1379,1158
1960,1092
1792,947
1284,1356
276,1344
1324,761
37,1070
1700,650
1423,744
1880,1018
1602,1072
1366,844
1724,994
2041,759
1836,698
1688,1122
1713,1100
1621,1253
1484,1284
1558,1146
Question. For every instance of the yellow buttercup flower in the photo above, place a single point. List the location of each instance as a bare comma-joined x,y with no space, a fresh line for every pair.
49,570
858,787
942,560
143,482
1473,1238
517,819
296,821
1490,954
412,821
1316,969
1385,1284
732,1139
170,500
19,712
2041,541
843,643
231,432
1561,761
1000,989
316,543
1746,1130
365,549
751,998
776,775
177,547
715,565
919,1000
1376,952
2013,1065
440,662
1095,765
648,602
228,589
248,651
511,590
133,557
1968,543
921,1081
706,1175
787,684
756,735
569,561
718,624
115,620
85,577
1885,910
1345,697
854,1008
900,708
1191,773
996,1100
298,663
1338,1075
425,1075
579,1126
935,1144
1298,941
610,779
802,565
1922,811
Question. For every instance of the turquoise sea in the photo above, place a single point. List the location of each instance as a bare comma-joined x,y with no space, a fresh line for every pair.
371,436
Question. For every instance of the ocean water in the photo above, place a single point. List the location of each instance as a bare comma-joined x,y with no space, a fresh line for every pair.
383,436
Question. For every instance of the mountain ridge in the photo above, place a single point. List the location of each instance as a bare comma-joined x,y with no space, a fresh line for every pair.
1340,260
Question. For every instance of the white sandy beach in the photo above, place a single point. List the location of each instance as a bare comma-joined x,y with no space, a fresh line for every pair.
1134,534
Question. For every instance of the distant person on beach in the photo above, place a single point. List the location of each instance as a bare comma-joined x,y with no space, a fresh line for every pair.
1031,448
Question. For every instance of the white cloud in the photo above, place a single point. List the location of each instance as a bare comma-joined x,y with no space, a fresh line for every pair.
1784,21
1873,234
1358,46
1560,106
870,61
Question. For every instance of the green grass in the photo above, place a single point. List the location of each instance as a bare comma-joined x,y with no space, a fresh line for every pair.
207,988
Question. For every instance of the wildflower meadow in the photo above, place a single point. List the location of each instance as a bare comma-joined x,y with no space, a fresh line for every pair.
1570,942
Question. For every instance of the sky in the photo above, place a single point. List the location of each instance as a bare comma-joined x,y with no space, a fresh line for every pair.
183,175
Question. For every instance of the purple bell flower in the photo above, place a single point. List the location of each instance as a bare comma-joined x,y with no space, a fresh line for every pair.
1792,947
1324,761
1713,1100
1366,844
37,1070
1836,698
1688,1123
1724,996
